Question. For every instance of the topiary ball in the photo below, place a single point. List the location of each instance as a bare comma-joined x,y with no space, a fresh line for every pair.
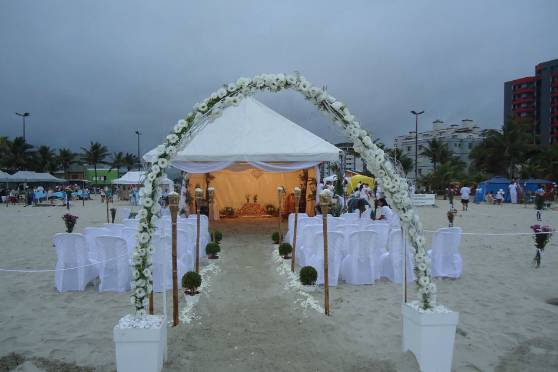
217,236
212,248
191,280
275,237
308,275
285,249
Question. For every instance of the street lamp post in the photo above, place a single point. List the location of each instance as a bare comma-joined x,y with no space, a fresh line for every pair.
23,116
139,159
416,142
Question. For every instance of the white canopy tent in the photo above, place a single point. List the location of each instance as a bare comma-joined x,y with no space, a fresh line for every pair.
137,178
250,150
29,176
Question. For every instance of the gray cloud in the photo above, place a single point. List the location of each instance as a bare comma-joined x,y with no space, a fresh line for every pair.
98,70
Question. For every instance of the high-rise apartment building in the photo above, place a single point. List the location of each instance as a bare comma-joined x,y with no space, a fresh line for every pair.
534,99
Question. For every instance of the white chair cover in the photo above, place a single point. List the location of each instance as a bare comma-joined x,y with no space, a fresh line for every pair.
334,252
309,244
90,234
71,251
359,267
114,268
392,261
382,229
186,249
446,259
123,213
162,263
204,233
128,222
115,228
350,218
290,231
130,235
346,230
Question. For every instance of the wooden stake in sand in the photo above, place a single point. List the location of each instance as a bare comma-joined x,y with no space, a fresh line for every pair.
325,200
106,199
280,193
173,206
297,194
210,199
198,196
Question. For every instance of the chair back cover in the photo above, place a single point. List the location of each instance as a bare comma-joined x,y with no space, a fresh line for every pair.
114,268
72,252
129,222
446,259
335,242
90,234
130,235
359,266
123,213
115,228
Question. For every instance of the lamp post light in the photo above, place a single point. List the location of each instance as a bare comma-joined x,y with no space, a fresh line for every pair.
23,116
416,142
139,159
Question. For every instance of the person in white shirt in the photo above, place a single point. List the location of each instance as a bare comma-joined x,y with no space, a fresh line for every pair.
513,192
387,214
465,191
500,197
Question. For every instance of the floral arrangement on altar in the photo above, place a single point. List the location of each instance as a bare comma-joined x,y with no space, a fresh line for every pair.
542,236
70,221
393,185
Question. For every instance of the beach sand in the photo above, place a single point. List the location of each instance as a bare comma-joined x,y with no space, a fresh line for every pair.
249,322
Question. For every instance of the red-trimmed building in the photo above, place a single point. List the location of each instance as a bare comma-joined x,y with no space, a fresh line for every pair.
534,99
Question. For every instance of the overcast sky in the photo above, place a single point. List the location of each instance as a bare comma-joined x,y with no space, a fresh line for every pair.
97,70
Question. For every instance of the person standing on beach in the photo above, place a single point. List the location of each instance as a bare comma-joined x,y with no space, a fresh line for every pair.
465,192
513,192
539,201
450,196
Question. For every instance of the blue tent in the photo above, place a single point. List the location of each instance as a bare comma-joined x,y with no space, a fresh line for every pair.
492,185
532,184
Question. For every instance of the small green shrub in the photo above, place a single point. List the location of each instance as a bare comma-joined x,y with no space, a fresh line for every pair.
216,236
275,237
308,275
191,281
285,249
211,249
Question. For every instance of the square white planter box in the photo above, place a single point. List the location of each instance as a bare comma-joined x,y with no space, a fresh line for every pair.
430,336
141,345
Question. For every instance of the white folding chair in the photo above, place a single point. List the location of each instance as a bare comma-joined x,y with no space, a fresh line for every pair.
73,267
90,234
392,261
346,230
114,268
358,267
335,246
186,249
446,259
350,218
129,222
382,229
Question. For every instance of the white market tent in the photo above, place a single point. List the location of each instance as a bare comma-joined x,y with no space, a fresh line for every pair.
137,178
5,177
250,150
29,176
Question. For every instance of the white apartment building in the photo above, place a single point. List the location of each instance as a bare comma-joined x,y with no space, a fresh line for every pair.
460,139
351,160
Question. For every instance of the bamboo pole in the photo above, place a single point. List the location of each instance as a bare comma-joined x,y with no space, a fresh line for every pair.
173,206
325,200
106,199
198,196
297,194
280,192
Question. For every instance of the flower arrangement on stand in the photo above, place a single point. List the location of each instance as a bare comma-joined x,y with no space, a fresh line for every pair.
70,221
542,236
451,217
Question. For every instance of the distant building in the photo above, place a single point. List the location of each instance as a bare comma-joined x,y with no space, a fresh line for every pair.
74,172
460,139
535,100
351,160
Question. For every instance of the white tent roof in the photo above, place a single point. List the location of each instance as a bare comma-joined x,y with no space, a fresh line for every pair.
137,178
252,131
29,176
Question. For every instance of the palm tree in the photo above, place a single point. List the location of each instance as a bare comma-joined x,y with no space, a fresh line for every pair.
130,161
4,149
65,158
45,159
95,154
18,155
405,161
437,151
118,161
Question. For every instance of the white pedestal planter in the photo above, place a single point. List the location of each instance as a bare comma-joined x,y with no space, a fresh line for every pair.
141,343
430,336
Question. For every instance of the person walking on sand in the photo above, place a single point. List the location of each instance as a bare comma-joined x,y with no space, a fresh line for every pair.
465,191
513,192
539,201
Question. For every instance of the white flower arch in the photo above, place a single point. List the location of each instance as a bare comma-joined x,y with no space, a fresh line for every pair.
393,185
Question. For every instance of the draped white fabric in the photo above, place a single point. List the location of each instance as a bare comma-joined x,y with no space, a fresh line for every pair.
199,167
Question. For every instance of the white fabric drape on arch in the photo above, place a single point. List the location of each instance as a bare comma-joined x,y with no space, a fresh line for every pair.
199,167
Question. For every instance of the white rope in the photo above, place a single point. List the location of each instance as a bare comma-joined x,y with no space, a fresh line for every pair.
52,271
490,234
